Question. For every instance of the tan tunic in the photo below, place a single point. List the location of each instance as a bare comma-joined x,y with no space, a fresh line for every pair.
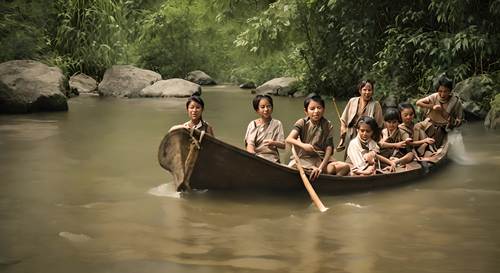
256,134
357,149
353,112
451,110
436,122
414,133
397,136
320,136
202,126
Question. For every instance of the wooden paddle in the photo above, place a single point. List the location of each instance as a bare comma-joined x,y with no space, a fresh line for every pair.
341,145
336,109
307,184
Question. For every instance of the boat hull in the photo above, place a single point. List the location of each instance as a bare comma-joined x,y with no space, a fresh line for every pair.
221,166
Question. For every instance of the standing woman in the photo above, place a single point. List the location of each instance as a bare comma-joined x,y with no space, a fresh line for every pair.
195,106
265,135
357,107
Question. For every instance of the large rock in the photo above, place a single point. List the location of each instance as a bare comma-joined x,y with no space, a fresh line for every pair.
300,93
278,86
29,86
200,78
476,93
492,120
247,85
171,88
126,81
82,84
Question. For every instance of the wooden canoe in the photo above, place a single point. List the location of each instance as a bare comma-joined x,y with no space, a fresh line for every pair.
200,161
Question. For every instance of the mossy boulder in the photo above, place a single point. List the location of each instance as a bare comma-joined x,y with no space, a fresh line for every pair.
476,94
126,81
248,85
492,120
284,86
29,86
171,88
200,77
82,84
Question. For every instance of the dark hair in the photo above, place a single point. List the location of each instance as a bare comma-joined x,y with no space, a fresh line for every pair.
362,84
406,105
446,82
392,113
258,98
196,98
313,97
373,125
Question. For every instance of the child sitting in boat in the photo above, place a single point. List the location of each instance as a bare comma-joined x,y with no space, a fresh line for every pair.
265,135
444,112
363,151
395,143
419,140
194,107
313,137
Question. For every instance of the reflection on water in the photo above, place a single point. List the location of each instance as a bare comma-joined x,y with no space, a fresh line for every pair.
82,192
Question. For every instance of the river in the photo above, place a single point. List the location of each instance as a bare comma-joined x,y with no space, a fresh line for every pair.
81,191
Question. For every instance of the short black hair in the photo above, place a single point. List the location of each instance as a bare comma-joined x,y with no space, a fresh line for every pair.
446,82
196,98
406,105
256,101
392,113
313,97
362,84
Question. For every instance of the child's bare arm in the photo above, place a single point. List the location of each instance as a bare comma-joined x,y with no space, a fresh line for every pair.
293,139
397,145
328,153
275,143
368,171
424,103
251,148
387,161
427,140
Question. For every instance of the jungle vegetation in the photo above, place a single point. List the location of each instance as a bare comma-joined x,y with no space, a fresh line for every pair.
329,45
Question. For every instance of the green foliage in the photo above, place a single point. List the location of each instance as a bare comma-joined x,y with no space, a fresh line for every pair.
259,71
181,36
495,103
23,29
166,43
403,45
92,34
329,45
455,41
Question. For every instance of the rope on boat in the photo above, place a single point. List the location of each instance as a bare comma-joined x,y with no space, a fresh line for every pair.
192,156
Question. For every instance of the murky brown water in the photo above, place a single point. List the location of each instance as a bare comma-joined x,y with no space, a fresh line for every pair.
82,192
